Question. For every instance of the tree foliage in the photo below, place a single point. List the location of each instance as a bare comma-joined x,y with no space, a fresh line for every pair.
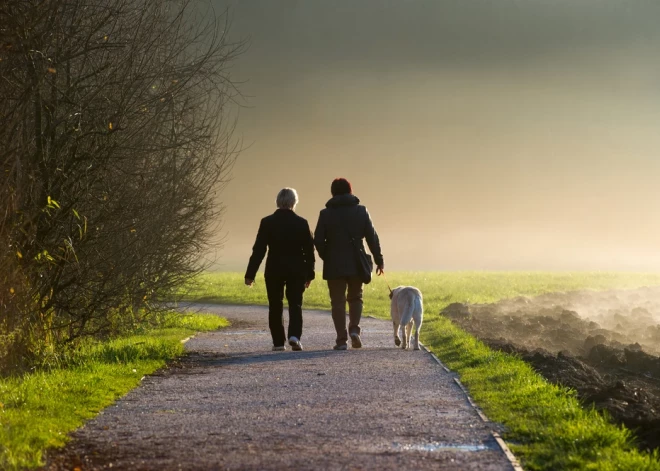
114,139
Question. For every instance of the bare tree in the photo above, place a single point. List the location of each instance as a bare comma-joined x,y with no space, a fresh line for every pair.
114,136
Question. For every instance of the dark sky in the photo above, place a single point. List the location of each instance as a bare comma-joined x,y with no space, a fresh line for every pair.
480,134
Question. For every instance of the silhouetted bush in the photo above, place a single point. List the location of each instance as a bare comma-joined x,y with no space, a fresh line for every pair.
114,138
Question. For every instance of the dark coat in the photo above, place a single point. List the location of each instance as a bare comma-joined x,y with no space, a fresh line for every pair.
290,247
344,214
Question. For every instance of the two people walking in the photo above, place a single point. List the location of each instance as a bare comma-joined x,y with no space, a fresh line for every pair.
291,261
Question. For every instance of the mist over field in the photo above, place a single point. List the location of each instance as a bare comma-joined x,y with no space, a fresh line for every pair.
481,135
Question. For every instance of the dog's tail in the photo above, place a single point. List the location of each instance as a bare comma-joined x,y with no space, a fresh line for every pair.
412,308
406,316
419,309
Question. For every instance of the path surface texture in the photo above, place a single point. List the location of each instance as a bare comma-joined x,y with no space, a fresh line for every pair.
232,403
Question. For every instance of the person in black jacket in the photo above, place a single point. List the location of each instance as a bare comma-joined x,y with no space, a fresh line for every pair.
290,264
344,217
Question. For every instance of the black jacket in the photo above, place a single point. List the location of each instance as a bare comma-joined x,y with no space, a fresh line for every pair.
290,247
343,215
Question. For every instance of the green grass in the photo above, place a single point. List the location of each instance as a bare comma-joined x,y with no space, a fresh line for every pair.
439,288
39,409
545,425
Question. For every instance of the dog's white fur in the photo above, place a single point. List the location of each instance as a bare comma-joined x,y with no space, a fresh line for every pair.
406,308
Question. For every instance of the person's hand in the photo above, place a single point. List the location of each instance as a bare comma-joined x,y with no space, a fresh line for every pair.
307,283
380,269
249,282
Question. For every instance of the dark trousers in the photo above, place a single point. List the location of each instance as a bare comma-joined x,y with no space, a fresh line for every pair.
341,290
275,287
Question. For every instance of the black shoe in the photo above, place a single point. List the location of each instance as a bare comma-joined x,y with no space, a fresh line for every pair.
343,346
356,342
296,346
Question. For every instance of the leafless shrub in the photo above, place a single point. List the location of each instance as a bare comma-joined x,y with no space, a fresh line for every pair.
114,136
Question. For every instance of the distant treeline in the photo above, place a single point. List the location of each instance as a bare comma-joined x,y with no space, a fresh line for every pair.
114,138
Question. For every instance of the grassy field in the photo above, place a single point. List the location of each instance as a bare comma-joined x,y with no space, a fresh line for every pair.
546,425
440,289
39,409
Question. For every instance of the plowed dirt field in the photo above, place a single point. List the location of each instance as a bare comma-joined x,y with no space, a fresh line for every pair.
604,345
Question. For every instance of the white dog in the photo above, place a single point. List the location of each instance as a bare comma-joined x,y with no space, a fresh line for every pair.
406,308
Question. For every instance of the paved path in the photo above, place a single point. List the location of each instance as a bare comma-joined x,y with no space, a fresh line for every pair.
234,404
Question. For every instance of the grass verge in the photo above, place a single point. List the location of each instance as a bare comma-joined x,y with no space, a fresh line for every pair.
546,426
39,409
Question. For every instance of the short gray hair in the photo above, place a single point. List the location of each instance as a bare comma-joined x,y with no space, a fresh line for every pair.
287,198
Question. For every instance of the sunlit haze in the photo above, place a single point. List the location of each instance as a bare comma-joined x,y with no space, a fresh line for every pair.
480,135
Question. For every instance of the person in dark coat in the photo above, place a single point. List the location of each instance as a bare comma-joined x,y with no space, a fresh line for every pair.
290,266
344,217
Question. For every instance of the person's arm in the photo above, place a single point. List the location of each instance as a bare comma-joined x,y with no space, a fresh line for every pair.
258,253
371,236
319,236
308,253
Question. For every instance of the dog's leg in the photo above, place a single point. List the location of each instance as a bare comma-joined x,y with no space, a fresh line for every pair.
404,339
405,331
416,340
397,340
418,316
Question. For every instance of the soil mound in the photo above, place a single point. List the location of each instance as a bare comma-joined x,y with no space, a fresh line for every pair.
604,345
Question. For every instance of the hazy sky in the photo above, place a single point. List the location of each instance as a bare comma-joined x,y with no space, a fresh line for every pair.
480,134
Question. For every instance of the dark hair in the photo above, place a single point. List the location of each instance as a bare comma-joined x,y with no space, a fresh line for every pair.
340,186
